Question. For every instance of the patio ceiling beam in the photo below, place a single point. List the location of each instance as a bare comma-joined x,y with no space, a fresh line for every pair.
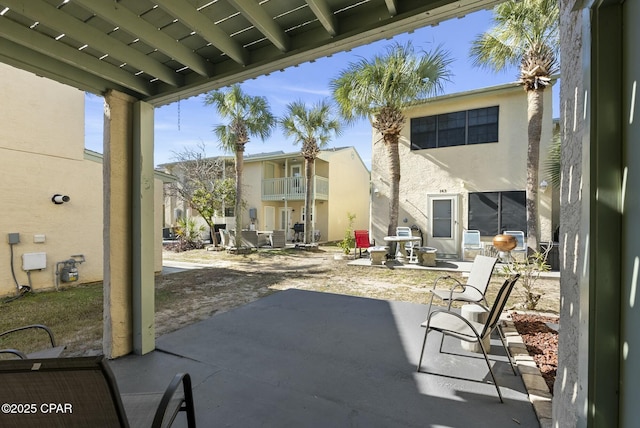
207,29
321,10
255,14
122,17
40,11
56,51
392,6
358,29
43,65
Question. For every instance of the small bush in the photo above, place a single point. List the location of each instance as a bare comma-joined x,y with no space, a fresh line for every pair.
349,240
189,235
529,269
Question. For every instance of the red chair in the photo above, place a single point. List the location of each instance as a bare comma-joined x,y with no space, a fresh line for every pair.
362,240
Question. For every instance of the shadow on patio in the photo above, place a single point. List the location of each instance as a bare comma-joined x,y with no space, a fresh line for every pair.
307,359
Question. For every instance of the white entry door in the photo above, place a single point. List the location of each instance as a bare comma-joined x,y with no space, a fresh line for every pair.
443,224
285,223
269,218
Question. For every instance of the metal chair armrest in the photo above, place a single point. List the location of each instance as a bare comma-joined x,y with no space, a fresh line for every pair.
34,326
445,277
20,354
187,406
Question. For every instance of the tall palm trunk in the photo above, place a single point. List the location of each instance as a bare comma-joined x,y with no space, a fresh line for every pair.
238,208
534,116
308,198
391,141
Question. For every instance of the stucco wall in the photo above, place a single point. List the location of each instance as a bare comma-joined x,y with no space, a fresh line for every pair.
348,192
567,388
42,154
458,170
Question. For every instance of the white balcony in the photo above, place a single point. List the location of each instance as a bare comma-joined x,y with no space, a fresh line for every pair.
293,188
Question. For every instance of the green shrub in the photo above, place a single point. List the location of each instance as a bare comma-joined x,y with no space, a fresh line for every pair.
349,240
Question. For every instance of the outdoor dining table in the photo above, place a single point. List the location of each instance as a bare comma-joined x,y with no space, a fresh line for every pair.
401,250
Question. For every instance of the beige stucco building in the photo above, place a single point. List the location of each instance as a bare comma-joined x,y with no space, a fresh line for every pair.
463,166
274,192
41,155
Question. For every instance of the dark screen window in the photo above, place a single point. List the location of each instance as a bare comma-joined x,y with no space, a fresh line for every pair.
493,212
455,129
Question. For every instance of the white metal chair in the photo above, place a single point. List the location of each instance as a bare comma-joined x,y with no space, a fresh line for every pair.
471,242
521,247
475,287
409,246
453,324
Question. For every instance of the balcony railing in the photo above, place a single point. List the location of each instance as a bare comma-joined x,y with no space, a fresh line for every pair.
293,188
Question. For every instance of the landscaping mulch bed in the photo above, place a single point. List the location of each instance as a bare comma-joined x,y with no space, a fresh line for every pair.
541,342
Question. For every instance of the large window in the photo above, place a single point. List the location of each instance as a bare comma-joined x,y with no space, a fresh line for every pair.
494,212
455,129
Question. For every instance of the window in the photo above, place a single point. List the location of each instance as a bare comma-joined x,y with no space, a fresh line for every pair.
493,212
455,129
442,223
229,212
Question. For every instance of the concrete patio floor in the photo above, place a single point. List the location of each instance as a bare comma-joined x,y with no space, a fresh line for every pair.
306,359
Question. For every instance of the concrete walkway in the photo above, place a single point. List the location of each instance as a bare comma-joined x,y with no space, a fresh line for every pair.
441,265
306,359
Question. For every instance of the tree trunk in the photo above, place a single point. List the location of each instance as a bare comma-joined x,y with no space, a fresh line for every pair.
238,207
534,116
391,141
308,199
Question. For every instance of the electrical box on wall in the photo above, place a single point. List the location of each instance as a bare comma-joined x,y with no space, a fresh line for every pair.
13,238
34,261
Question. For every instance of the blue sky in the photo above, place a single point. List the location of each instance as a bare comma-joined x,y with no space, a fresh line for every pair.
189,122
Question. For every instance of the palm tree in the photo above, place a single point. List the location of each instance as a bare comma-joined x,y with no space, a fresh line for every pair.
312,127
525,35
248,116
381,88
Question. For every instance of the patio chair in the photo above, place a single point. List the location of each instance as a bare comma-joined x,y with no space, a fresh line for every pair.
82,392
53,351
452,324
410,247
471,242
362,241
521,247
475,287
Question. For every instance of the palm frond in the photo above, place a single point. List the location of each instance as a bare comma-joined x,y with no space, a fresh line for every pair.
248,116
312,126
520,27
393,79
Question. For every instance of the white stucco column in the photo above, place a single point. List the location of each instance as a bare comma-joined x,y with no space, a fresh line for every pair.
128,240
143,230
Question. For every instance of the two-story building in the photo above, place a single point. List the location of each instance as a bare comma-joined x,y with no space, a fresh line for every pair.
463,166
275,188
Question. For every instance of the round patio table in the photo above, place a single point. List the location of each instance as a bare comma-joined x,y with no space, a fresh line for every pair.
401,251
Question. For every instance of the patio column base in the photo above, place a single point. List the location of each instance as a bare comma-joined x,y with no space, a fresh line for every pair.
476,313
